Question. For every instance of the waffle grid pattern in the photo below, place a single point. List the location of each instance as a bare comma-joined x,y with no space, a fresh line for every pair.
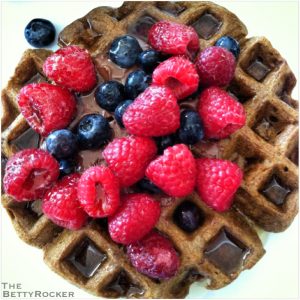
190,246
260,158
265,145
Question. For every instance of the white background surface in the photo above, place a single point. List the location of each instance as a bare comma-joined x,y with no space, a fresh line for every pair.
276,275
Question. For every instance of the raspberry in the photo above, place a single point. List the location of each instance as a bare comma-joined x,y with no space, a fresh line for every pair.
154,256
46,107
29,173
128,158
61,205
174,172
155,112
216,66
221,114
99,192
173,38
178,74
217,182
71,67
136,217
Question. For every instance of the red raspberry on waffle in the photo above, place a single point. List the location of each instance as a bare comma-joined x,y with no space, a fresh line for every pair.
179,74
128,158
61,205
173,38
135,218
154,112
174,172
221,114
71,67
99,192
217,182
46,107
29,173
154,256
216,66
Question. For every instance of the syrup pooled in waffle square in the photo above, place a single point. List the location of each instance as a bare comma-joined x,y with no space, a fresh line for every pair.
266,150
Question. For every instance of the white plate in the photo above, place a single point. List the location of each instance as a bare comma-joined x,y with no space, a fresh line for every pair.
276,275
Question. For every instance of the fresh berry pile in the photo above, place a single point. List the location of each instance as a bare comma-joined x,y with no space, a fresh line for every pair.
154,159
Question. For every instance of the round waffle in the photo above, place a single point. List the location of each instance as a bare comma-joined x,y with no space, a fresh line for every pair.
263,82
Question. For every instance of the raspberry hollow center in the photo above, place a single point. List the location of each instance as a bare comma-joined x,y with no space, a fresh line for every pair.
36,114
99,193
173,83
36,179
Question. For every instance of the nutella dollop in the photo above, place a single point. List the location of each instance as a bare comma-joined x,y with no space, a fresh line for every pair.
109,70
86,104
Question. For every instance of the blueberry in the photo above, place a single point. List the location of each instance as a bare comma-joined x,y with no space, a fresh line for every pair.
146,185
188,216
66,166
149,60
230,44
109,94
124,51
119,111
93,131
39,33
164,142
136,82
62,143
191,127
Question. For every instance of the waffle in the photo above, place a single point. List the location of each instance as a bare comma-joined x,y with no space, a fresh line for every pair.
266,150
